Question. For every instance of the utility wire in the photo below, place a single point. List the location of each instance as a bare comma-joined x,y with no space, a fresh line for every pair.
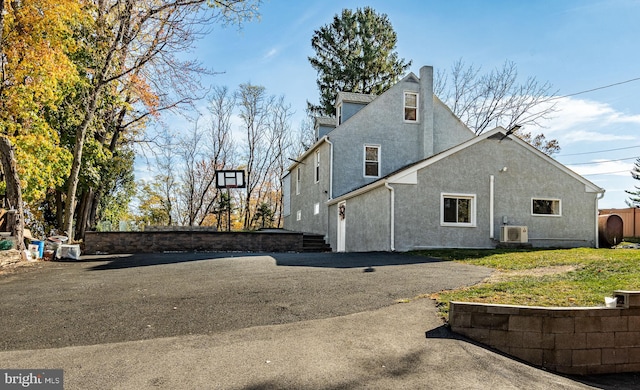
595,89
605,173
605,161
599,151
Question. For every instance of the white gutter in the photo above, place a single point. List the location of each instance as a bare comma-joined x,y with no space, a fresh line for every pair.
326,139
600,196
491,196
392,234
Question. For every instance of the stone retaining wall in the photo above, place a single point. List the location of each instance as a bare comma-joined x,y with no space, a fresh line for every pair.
584,340
189,241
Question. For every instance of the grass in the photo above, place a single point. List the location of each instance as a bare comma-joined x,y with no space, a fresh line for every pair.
560,277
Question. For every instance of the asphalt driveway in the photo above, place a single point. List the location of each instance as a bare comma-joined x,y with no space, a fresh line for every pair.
249,321
160,295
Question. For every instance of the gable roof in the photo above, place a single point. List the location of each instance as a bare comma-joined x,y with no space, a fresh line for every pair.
408,174
352,97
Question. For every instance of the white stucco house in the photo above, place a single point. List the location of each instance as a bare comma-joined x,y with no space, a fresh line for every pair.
399,172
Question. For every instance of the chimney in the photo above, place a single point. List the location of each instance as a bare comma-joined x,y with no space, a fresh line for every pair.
426,109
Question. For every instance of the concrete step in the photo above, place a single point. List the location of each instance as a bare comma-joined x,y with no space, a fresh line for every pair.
314,243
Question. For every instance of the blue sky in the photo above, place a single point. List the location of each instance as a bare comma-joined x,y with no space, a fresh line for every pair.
576,45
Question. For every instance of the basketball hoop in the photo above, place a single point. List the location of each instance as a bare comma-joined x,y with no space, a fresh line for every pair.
230,179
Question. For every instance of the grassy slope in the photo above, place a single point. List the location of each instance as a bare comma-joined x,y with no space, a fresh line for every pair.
596,273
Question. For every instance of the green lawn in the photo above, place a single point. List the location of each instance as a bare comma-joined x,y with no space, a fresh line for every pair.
560,277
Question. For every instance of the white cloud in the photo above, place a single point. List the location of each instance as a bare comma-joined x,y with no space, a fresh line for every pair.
270,54
593,136
580,120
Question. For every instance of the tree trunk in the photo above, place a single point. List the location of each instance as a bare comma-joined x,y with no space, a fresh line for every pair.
84,212
59,209
14,194
74,176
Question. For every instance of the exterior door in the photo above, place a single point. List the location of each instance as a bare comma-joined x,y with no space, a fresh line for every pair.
342,222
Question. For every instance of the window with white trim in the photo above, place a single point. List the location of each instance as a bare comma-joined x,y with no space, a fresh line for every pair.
339,113
316,175
316,209
298,179
298,215
549,206
410,107
372,160
458,210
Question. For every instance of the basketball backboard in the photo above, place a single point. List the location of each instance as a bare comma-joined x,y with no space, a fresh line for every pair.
230,179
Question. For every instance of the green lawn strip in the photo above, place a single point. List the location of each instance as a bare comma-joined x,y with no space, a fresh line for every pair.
597,273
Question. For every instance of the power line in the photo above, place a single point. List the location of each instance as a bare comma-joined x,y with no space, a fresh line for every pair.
595,89
605,173
605,161
599,151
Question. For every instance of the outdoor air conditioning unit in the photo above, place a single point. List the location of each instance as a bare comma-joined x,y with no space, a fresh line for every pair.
514,234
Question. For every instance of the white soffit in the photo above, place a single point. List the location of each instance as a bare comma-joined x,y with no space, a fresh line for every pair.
410,177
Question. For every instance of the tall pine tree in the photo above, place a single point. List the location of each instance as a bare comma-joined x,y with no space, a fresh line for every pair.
355,53
634,199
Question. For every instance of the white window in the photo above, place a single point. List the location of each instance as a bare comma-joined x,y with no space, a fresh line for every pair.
372,160
410,107
316,209
339,113
298,215
298,179
458,210
317,169
546,206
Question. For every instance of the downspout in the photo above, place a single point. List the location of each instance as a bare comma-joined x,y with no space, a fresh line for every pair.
491,196
330,188
330,167
598,197
392,234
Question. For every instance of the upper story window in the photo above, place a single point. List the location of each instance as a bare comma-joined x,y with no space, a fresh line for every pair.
372,160
316,174
339,114
551,207
458,210
410,107
298,179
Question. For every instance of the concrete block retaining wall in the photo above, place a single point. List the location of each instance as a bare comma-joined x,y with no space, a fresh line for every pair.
585,340
189,241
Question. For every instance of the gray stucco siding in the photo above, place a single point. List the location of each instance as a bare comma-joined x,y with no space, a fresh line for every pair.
448,130
379,123
310,194
418,207
368,222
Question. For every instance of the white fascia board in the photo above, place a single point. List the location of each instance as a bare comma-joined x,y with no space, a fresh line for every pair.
356,192
410,177
406,174
307,153
410,174
589,186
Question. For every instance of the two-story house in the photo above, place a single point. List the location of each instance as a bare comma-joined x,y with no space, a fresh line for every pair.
399,171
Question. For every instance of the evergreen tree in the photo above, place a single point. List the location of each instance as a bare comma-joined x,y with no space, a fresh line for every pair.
634,199
355,53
